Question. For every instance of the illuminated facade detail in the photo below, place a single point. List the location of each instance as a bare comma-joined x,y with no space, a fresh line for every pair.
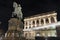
42,20
31,23
49,19
37,21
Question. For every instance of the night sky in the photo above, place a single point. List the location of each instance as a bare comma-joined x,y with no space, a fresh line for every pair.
29,7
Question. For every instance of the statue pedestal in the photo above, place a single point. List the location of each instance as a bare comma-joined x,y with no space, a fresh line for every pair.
15,30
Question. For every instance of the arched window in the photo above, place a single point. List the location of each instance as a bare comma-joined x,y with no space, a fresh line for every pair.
29,26
33,23
25,34
26,27
26,24
29,34
52,19
42,22
47,21
37,23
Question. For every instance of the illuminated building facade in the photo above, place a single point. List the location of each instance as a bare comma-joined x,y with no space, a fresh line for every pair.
40,25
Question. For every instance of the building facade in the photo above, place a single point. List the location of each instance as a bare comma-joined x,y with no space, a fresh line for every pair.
32,24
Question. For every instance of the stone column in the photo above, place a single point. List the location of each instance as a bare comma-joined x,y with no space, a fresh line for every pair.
28,24
44,21
55,19
49,20
39,22
28,35
35,23
31,23
25,24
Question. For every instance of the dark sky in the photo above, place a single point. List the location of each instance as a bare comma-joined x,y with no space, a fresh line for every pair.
29,7
32,7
